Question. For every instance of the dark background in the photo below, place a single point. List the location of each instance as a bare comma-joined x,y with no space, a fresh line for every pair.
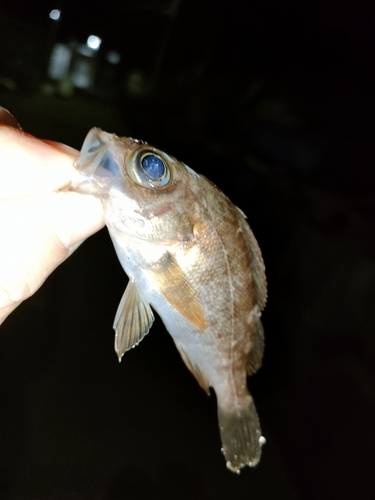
274,102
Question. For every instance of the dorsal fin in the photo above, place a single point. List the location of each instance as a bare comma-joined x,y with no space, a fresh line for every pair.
254,361
257,267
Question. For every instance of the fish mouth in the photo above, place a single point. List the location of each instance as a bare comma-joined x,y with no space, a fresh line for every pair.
96,144
102,159
96,164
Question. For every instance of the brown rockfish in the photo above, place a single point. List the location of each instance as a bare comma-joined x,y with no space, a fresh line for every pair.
191,256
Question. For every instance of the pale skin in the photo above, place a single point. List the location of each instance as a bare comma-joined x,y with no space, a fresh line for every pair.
41,221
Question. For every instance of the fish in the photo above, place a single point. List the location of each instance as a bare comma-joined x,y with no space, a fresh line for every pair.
191,256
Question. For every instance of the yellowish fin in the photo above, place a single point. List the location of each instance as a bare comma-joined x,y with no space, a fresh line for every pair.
174,286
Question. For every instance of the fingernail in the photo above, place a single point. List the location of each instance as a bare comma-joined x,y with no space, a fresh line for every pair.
6,118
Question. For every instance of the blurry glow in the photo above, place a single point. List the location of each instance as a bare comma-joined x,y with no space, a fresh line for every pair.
55,14
83,73
85,50
94,42
59,63
83,69
113,57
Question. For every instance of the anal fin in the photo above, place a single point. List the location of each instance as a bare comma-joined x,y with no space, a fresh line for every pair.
195,370
133,320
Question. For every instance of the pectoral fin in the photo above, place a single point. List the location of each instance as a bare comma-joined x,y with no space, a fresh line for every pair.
174,286
133,320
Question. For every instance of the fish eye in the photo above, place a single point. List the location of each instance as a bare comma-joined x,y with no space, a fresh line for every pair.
153,166
150,170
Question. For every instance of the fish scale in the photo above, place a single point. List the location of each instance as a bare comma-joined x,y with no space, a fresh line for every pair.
190,256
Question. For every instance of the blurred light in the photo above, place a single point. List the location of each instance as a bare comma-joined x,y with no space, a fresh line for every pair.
94,42
59,63
55,14
85,50
83,72
113,57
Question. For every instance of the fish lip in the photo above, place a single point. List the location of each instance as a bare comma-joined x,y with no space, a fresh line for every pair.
87,186
94,147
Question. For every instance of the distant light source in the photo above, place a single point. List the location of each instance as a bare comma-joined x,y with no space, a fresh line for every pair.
94,42
113,57
59,63
55,14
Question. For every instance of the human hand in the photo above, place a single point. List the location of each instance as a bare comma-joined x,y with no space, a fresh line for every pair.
41,221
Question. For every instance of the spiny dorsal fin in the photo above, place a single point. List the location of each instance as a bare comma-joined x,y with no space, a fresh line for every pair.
133,320
198,374
174,286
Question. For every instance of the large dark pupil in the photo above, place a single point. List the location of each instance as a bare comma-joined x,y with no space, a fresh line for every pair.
153,166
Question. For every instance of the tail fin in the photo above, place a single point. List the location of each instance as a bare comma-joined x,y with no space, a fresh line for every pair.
241,436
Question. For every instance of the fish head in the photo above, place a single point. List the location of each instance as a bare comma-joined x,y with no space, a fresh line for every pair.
146,193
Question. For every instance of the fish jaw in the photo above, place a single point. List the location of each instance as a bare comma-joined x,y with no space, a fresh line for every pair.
100,162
